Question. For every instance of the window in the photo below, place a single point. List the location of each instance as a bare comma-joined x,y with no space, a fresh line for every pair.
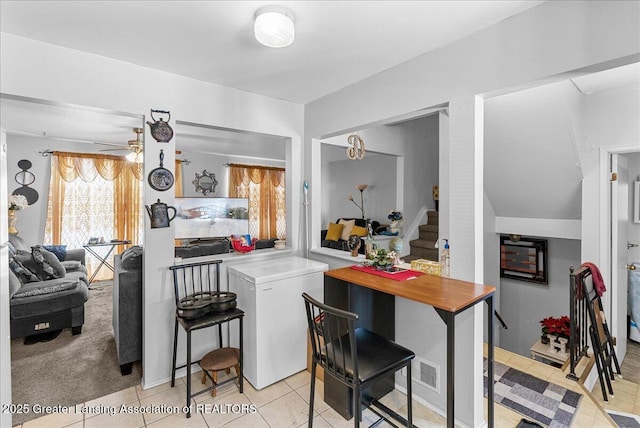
93,196
264,186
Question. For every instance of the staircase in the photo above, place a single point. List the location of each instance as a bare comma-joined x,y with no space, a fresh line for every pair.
424,246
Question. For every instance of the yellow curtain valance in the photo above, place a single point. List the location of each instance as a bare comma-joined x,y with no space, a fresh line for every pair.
87,166
256,173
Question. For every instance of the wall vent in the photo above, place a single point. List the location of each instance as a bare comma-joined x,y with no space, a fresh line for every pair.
426,373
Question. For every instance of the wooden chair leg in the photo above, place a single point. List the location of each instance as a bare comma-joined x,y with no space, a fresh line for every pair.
214,375
228,370
204,377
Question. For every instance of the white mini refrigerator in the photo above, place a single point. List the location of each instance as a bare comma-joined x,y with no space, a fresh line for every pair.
275,322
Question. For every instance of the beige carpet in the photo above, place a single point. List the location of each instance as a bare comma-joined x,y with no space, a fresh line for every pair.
71,369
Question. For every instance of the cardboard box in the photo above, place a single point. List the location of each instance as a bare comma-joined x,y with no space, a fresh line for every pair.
426,266
319,370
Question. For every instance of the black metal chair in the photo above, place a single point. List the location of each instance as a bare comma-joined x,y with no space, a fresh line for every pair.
200,304
601,340
353,356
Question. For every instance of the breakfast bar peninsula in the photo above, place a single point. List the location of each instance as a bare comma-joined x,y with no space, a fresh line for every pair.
372,298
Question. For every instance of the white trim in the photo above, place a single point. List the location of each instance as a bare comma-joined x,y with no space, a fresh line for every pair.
544,227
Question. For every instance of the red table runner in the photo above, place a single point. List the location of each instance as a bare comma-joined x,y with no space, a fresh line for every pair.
398,276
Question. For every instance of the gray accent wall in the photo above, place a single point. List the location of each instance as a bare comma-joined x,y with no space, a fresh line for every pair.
523,304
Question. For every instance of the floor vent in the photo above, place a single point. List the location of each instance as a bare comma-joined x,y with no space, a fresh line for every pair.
426,373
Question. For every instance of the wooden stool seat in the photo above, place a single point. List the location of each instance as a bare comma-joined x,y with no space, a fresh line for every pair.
220,359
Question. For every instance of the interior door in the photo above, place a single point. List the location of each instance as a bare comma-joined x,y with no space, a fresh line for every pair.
619,251
5,333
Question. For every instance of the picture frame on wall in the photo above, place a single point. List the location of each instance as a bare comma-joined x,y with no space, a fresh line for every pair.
523,259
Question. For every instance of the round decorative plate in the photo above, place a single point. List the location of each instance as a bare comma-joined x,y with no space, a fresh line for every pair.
161,179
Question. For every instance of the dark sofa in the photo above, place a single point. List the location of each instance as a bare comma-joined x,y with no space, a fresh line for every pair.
53,304
127,307
222,246
341,244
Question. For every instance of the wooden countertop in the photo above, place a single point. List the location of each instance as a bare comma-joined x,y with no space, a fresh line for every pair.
448,294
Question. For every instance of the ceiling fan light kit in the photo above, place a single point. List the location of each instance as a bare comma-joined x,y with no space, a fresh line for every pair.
274,26
135,157
135,147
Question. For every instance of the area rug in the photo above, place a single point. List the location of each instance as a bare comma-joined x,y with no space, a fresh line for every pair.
542,401
625,420
71,369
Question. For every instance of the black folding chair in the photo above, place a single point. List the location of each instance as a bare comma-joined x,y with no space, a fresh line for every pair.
601,340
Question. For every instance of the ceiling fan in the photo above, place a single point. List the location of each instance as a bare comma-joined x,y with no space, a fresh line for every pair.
135,147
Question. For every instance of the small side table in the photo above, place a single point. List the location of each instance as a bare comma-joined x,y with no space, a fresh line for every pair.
542,351
103,259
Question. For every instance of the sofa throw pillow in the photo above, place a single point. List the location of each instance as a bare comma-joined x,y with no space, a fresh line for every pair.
131,258
14,284
359,230
346,229
334,232
21,271
60,251
49,262
44,264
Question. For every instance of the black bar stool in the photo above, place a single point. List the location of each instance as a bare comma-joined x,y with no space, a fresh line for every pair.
200,304
353,356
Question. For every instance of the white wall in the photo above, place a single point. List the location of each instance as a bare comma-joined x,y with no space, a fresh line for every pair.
340,179
214,164
492,262
610,120
551,41
39,70
532,168
416,140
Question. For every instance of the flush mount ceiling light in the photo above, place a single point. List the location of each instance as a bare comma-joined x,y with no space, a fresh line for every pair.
274,26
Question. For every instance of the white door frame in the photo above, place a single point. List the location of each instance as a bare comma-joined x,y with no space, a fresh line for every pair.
606,239
5,332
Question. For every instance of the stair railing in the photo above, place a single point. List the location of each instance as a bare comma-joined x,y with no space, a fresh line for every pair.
411,230
578,316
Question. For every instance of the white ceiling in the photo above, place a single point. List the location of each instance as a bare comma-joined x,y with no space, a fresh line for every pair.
337,43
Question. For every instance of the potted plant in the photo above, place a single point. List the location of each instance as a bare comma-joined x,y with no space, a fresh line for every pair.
16,203
558,327
381,259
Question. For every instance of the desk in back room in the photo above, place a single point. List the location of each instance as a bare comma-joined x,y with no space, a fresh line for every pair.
373,299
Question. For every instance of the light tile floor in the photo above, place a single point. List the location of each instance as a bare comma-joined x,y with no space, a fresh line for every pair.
284,404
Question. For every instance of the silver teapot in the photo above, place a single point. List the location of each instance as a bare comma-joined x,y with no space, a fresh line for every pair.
160,130
159,214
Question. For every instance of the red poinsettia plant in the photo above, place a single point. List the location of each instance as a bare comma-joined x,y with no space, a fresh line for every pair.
558,326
